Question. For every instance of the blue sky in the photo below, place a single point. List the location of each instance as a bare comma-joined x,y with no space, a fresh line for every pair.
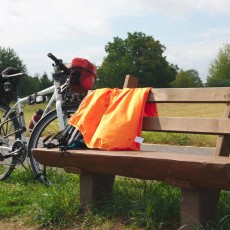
192,31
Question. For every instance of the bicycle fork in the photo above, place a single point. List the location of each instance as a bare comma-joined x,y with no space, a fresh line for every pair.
59,102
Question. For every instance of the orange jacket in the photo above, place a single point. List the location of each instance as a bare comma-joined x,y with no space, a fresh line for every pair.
111,119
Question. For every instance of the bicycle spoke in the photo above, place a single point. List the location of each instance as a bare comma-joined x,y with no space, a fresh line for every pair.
46,126
7,164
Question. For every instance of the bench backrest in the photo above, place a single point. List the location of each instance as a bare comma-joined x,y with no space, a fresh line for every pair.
214,126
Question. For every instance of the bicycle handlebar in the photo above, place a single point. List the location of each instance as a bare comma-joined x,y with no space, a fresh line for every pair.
59,64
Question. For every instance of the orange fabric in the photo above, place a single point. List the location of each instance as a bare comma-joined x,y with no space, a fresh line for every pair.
111,119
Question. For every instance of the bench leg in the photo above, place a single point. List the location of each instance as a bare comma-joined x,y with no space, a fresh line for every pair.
198,206
93,187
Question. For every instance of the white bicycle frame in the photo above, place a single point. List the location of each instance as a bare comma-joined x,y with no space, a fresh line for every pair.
55,89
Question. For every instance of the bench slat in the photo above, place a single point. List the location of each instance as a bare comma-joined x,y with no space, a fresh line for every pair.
187,125
202,171
215,94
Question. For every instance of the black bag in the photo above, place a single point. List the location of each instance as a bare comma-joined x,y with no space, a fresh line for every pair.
67,139
5,96
8,85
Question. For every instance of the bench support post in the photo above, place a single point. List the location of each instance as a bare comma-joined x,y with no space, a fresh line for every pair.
223,146
198,206
93,187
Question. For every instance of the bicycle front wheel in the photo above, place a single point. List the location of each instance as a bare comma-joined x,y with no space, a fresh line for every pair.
46,126
7,138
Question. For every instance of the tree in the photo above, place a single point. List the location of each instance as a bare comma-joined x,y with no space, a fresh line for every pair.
29,85
219,70
35,83
187,79
45,82
138,55
9,58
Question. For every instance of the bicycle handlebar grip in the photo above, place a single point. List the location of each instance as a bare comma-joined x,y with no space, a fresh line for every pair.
58,63
53,57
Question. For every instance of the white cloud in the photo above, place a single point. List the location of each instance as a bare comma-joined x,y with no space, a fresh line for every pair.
33,21
172,8
47,21
194,56
199,55
181,8
213,7
73,28
223,32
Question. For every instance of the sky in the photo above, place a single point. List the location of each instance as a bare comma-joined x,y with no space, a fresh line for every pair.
193,31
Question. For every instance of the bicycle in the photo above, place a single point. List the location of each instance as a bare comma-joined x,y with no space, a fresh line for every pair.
14,147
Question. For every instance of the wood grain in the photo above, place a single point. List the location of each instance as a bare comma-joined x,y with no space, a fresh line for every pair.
202,171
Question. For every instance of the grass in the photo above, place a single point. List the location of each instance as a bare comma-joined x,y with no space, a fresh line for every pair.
185,110
29,111
24,199
191,110
136,204
198,140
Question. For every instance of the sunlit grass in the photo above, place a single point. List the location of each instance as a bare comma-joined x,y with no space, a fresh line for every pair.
191,110
180,139
29,111
185,110
135,204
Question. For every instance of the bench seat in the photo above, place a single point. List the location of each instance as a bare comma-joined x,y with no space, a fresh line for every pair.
185,170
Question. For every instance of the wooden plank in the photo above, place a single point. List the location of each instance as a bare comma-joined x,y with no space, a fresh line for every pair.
223,141
201,171
209,95
130,82
93,188
197,206
187,125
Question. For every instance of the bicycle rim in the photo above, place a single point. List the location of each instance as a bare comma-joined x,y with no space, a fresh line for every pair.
7,165
46,126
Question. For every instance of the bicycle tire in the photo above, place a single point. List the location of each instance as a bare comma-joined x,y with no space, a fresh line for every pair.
7,165
47,125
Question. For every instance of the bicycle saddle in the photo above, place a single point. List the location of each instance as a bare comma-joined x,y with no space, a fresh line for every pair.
11,73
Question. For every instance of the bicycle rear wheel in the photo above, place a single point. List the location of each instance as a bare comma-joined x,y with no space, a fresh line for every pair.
46,126
7,138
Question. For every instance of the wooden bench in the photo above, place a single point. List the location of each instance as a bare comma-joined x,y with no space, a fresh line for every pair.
200,177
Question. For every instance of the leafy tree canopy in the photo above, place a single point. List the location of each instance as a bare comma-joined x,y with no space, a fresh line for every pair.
9,58
138,55
35,83
187,79
219,70
45,82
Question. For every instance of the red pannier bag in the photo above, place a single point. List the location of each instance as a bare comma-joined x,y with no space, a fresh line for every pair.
82,75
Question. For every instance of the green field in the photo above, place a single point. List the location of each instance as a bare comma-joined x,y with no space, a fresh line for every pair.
185,110
135,204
